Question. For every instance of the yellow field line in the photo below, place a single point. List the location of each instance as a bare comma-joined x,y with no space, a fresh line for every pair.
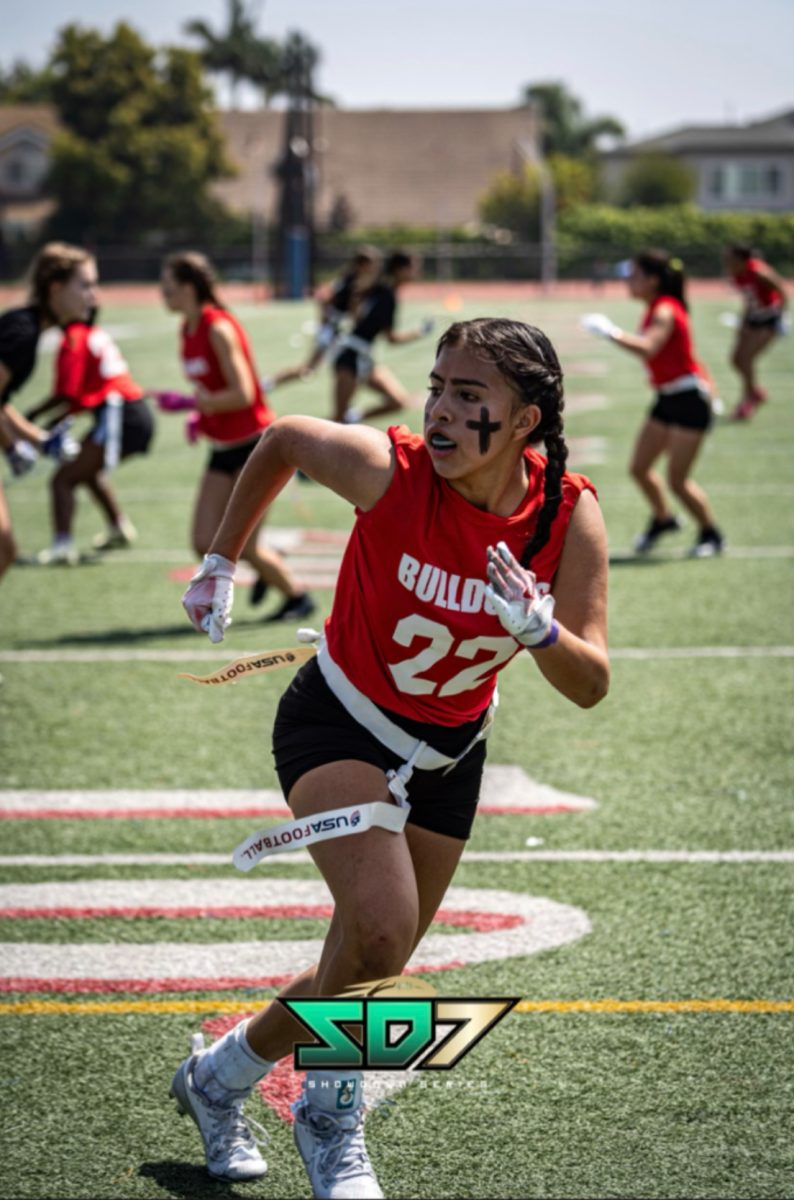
655,1006
124,1007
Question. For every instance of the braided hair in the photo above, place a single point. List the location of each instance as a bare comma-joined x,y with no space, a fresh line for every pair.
188,266
528,361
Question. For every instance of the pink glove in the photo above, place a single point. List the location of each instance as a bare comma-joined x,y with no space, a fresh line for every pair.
193,428
209,598
173,402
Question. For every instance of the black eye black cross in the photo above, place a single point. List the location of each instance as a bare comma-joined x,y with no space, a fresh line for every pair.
485,427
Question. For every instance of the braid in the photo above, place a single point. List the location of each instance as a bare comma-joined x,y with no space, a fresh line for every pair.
557,456
526,358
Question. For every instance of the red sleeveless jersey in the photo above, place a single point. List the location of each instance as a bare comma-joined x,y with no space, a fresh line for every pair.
89,368
676,357
411,626
201,366
758,293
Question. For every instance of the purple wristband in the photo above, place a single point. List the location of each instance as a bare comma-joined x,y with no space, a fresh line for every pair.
549,639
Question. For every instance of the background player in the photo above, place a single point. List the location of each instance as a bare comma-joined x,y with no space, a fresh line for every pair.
353,363
765,301
91,376
233,411
340,301
407,667
59,275
681,414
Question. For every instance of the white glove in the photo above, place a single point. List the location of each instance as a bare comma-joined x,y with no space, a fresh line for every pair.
784,325
59,443
600,325
512,590
427,325
209,598
22,457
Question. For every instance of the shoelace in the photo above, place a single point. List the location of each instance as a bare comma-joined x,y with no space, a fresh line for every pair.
232,1130
342,1151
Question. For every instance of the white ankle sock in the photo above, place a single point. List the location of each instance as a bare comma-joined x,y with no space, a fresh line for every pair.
230,1065
334,1091
63,541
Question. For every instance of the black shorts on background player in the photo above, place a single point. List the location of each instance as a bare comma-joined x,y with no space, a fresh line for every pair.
19,335
689,409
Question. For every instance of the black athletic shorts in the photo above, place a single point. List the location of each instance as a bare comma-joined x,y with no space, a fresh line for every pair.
313,728
232,460
137,427
357,362
689,409
763,320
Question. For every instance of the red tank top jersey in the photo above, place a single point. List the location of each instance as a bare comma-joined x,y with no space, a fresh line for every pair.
201,366
89,368
758,292
411,626
676,357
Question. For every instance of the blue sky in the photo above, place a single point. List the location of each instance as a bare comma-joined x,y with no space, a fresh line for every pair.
652,64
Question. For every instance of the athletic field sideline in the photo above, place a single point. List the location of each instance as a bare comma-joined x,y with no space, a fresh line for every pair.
629,877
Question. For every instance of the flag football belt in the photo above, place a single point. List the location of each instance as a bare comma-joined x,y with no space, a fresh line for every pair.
341,822
417,754
684,383
362,348
319,827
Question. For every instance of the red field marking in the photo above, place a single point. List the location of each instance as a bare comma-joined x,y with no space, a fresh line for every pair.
259,293
223,983
478,922
135,814
162,814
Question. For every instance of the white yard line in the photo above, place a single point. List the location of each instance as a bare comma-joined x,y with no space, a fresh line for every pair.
206,654
545,924
703,857
504,788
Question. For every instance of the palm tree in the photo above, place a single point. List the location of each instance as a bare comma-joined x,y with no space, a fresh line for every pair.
238,52
566,130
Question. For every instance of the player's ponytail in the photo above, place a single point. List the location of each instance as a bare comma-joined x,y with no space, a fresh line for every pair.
188,266
55,262
527,360
667,270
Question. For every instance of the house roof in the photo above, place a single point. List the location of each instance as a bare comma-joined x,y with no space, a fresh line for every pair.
772,133
39,117
412,166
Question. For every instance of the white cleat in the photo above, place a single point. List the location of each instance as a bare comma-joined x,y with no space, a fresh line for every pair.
119,537
333,1151
230,1147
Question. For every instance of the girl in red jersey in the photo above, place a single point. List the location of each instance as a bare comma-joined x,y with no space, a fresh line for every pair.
62,282
232,411
681,414
469,547
92,377
762,321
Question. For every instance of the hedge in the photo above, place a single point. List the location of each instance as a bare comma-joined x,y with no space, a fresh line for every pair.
599,232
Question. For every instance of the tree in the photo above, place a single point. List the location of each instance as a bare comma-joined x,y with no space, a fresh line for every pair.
239,52
655,180
565,129
23,84
513,200
140,144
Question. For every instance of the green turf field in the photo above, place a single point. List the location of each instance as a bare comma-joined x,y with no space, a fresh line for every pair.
690,754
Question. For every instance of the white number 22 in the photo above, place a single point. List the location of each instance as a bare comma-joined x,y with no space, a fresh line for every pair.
407,673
